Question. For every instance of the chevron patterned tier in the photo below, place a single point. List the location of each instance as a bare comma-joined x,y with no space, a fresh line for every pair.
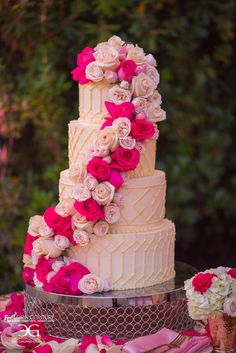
146,195
82,135
132,260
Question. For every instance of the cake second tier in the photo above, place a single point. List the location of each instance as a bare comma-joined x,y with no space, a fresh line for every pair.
142,206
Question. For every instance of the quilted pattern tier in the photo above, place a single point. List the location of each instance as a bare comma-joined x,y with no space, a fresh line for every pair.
143,202
131,261
82,135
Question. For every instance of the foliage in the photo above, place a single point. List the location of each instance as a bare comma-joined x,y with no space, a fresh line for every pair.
193,42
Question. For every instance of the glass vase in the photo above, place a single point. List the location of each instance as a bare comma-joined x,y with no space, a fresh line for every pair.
223,332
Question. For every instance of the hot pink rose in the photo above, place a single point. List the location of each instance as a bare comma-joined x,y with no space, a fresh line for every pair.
125,109
126,70
55,221
124,159
142,129
116,179
99,168
85,57
202,281
78,74
29,244
28,275
43,267
66,280
90,209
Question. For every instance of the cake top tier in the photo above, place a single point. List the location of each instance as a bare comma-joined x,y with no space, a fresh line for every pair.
115,73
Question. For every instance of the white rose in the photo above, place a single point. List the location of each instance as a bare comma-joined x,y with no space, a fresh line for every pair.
115,42
112,213
80,222
104,193
127,142
78,172
46,247
122,126
142,85
45,230
150,60
81,237
94,72
119,95
80,192
107,57
108,138
153,74
65,208
101,228
61,242
136,54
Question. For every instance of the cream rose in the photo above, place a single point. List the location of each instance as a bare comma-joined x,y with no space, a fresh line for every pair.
94,72
107,57
34,224
65,207
44,230
46,247
80,222
108,138
57,265
142,86
80,192
61,242
127,142
140,104
112,213
81,237
119,95
90,182
136,54
122,126
115,42
101,228
153,74
27,261
78,172
90,284
104,193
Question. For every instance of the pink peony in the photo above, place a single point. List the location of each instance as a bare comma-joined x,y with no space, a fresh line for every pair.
66,280
126,70
124,159
125,109
90,209
99,168
142,129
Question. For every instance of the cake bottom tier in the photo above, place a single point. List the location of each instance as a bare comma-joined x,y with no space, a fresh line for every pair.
131,261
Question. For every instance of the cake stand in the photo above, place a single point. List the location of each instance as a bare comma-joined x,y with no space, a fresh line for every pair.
118,314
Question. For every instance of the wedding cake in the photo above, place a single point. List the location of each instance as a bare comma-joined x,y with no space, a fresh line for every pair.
108,230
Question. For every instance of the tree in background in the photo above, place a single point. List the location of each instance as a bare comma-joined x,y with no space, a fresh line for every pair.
194,43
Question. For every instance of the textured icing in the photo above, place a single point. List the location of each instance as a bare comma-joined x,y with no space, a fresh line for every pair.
82,135
143,202
131,260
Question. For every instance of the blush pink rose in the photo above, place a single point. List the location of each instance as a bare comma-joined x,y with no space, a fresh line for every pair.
125,109
77,172
34,224
81,237
112,213
99,168
123,126
61,242
94,72
140,104
142,129
150,60
143,86
104,193
101,228
126,70
47,247
91,283
90,209
127,142
136,54
116,42
140,68
124,159
123,53
97,151
90,182
28,275
66,280
119,95
153,74
80,222
65,208
80,192
107,57
111,76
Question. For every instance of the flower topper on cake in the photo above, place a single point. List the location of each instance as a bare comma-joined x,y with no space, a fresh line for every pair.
133,108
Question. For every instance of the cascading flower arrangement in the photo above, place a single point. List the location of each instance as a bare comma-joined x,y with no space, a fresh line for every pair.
133,108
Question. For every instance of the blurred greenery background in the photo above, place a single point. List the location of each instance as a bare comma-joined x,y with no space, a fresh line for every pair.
194,43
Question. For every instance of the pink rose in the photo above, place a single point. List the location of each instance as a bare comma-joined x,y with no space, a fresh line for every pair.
202,282
77,172
65,208
29,244
136,54
28,275
150,60
80,222
125,109
119,95
127,142
230,306
141,115
123,53
90,209
46,247
103,193
55,221
99,168
61,242
90,182
142,129
94,72
123,127
66,280
126,70
116,179
115,42
101,228
81,237
124,159
112,213
153,74
91,283
43,267
142,86
108,138
140,104
140,68
107,57
155,97
85,57
111,76
80,192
